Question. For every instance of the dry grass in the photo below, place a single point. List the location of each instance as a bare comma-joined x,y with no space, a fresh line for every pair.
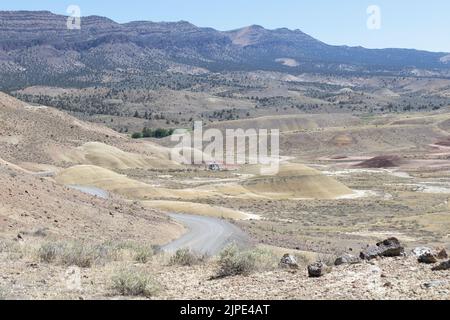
11,250
233,261
86,255
134,283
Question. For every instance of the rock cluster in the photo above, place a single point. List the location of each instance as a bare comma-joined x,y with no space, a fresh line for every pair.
430,256
388,248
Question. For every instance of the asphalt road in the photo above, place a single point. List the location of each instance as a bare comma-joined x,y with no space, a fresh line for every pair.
206,235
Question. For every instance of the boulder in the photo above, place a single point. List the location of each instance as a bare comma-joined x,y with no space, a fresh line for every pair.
318,269
388,248
289,262
428,258
442,266
347,259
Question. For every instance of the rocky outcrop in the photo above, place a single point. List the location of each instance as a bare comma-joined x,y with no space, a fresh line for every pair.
388,248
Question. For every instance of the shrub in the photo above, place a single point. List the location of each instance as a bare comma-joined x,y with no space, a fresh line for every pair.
134,283
233,261
48,252
73,254
143,254
11,249
83,256
136,135
185,257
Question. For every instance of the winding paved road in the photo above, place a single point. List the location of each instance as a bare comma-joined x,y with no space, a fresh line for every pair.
206,235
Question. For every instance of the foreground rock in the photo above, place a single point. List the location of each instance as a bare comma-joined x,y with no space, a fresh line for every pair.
318,269
288,262
443,266
428,258
388,248
347,259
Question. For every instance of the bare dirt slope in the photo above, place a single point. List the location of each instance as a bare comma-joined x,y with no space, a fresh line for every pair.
29,204
36,134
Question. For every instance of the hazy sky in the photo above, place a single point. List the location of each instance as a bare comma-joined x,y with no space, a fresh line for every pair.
420,24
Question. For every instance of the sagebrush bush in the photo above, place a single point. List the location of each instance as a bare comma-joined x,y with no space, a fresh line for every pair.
49,252
85,255
186,257
11,250
134,283
74,254
143,254
233,261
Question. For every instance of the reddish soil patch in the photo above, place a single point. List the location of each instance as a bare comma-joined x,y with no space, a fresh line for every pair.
339,157
381,162
444,143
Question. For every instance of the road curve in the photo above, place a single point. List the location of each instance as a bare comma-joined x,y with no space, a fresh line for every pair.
206,235
96,192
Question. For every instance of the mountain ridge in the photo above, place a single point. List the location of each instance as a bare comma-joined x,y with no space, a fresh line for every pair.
39,42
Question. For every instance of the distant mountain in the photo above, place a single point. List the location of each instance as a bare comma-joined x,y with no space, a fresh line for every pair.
37,48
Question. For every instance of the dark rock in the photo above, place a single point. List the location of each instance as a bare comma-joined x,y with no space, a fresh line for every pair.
347,259
318,269
388,248
428,258
288,261
443,266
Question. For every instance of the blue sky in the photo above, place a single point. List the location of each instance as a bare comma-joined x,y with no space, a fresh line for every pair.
416,24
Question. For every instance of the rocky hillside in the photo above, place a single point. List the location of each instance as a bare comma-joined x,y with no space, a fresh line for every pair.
39,43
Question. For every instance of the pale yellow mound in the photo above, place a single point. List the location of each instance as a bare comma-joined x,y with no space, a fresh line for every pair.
199,209
297,181
102,155
87,175
342,140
